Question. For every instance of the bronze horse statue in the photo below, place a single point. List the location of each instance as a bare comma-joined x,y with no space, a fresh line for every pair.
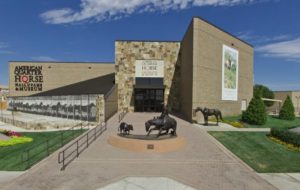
162,124
209,112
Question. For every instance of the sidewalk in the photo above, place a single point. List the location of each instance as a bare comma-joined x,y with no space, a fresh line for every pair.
227,127
283,181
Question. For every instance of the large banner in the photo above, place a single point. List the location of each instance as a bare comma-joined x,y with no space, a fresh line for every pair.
149,68
230,73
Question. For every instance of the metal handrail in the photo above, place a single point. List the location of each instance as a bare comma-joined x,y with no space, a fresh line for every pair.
66,156
26,157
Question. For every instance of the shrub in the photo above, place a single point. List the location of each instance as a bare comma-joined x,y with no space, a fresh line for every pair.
15,140
264,92
286,136
256,112
287,111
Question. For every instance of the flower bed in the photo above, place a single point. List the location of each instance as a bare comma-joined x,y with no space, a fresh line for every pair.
236,124
16,138
286,136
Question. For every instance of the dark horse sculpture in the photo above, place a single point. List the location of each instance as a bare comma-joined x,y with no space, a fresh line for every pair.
162,124
209,112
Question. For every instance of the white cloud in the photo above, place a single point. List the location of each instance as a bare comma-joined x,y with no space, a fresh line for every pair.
6,52
3,49
43,58
100,10
289,49
261,39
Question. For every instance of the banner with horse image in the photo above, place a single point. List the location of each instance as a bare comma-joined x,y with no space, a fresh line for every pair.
230,73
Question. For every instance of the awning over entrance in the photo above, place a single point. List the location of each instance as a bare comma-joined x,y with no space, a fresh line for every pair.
143,86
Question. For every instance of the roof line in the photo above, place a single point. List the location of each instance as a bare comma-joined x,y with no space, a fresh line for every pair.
208,22
93,62
170,41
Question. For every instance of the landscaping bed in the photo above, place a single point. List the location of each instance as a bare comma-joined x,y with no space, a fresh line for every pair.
258,151
272,121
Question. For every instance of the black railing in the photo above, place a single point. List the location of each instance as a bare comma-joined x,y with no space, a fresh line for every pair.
72,151
122,115
35,153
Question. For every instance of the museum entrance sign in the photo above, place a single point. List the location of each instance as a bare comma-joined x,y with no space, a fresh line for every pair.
149,68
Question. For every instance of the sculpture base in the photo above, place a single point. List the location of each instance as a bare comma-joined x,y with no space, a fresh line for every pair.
150,137
149,143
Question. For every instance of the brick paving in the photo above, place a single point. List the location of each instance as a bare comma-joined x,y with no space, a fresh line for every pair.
203,164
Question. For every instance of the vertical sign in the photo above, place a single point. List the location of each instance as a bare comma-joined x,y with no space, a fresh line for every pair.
230,73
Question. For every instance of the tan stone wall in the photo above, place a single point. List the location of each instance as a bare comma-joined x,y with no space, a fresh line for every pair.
57,75
127,52
296,101
100,104
111,103
275,108
207,68
281,95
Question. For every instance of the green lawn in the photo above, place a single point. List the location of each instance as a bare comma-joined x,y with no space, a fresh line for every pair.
271,122
10,156
259,152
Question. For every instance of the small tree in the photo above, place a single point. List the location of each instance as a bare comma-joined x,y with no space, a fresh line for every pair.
287,111
256,112
264,92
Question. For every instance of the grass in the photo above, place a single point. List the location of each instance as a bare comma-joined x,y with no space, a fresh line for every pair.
260,152
11,156
272,121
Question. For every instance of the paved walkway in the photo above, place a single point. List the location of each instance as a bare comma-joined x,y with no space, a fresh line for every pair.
227,127
283,181
203,164
8,176
147,183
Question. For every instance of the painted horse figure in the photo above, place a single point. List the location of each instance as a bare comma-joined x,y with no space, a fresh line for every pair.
209,112
162,124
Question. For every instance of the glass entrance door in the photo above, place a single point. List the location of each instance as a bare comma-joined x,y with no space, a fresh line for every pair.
148,100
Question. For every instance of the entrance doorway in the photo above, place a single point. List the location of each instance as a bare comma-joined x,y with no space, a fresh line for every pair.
148,100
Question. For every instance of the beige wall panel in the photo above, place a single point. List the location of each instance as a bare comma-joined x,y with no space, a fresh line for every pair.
111,103
207,76
186,70
57,75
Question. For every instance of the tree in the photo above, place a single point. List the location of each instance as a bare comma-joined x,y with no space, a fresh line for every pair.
287,111
263,92
256,112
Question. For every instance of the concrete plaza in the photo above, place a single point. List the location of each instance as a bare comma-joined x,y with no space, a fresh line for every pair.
202,164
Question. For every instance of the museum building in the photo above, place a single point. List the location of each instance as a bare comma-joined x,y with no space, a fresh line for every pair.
208,68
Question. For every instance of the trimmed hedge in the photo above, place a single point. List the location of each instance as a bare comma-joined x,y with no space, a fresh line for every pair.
256,112
286,136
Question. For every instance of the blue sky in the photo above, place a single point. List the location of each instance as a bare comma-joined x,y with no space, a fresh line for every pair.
85,30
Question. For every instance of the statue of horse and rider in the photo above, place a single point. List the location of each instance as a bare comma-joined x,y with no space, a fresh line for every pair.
209,112
163,123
